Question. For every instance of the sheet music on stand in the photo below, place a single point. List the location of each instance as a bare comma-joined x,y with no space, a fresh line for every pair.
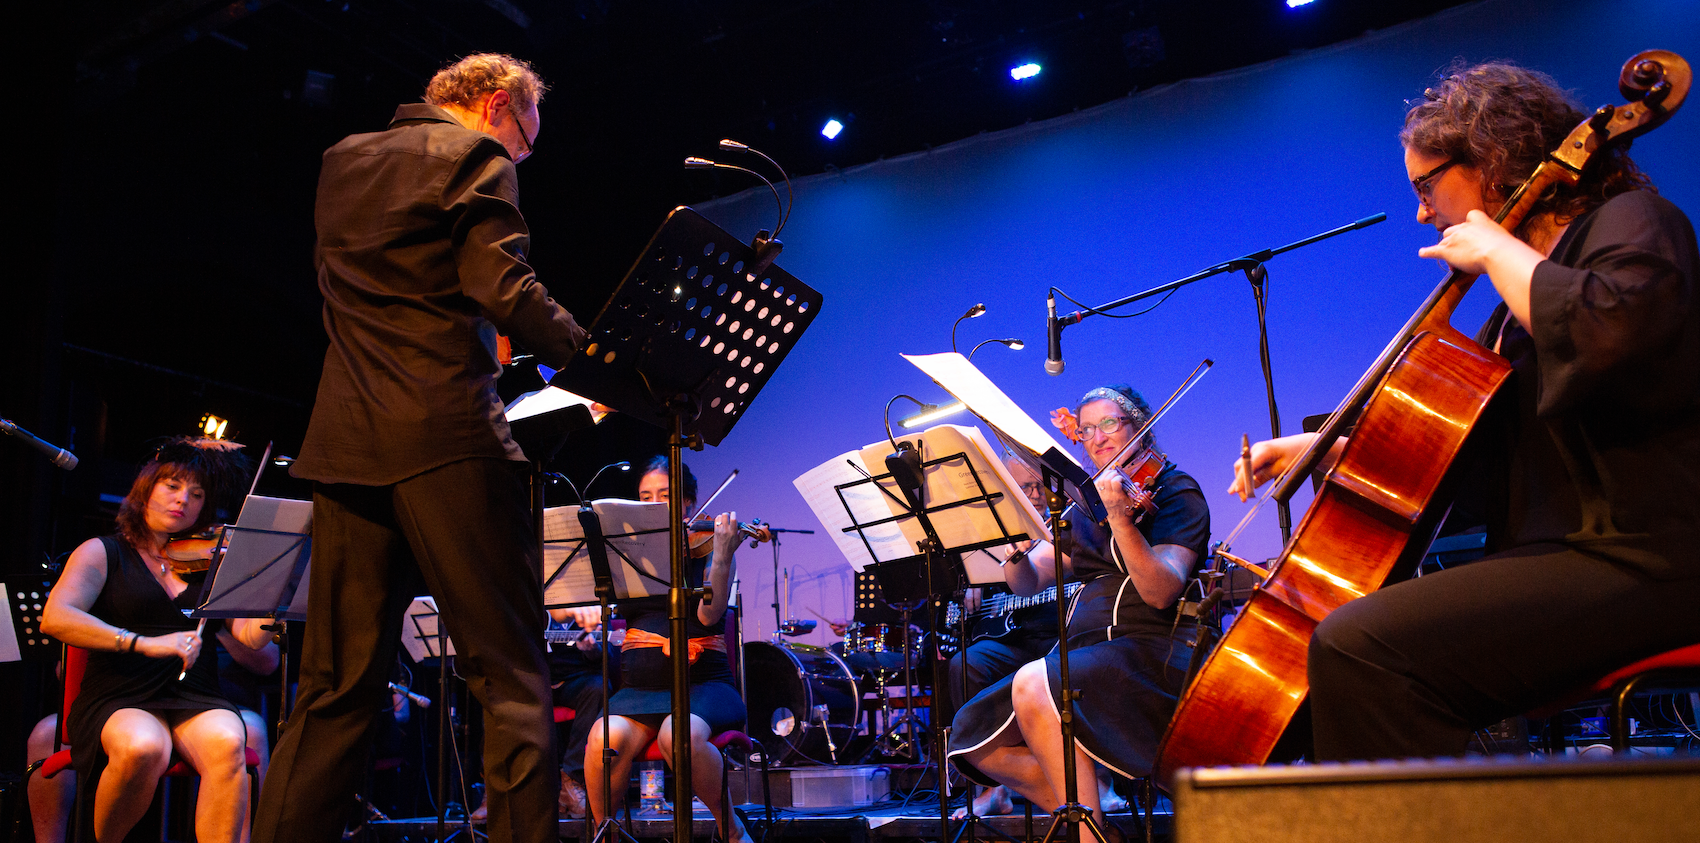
419,630
637,538
264,569
971,499
1026,440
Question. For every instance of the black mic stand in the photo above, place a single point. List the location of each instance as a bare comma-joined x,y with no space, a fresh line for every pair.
1252,266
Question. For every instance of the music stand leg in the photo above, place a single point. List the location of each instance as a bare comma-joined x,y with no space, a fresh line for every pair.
971,820
609,828
1071,814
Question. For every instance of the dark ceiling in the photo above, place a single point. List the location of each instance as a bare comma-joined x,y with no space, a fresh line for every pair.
187,158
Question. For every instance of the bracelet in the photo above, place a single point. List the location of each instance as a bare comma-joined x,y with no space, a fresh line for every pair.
118,640
134,637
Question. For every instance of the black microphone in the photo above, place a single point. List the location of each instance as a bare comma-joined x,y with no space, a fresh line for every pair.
1053,331
60,457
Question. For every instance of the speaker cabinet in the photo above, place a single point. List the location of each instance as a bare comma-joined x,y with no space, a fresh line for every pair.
1656,800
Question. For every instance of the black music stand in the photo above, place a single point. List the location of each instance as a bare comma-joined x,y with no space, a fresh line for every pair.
940,570
263,572
595,542
694,331
425,636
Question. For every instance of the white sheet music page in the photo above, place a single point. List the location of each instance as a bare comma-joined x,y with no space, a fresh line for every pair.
862,501
634,531
548,399
953,480
968,385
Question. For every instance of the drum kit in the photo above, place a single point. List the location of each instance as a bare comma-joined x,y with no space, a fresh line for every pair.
807,703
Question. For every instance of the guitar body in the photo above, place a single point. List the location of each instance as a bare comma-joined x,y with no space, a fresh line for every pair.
1366,519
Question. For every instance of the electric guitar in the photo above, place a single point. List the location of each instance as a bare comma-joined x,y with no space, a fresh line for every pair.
994,619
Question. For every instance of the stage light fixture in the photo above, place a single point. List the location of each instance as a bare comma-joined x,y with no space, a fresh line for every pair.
831,129
1025,71
213,427
1294,4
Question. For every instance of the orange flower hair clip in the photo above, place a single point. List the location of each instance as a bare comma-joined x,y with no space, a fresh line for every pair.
1065,420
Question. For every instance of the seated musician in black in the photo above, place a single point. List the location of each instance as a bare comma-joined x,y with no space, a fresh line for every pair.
1126,656
1588,459
575,679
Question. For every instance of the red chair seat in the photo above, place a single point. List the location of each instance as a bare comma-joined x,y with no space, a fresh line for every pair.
1621,684
720,741
1679,658
61,760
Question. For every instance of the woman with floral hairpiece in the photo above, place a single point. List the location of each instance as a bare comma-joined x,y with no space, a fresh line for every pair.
1126,657
120,599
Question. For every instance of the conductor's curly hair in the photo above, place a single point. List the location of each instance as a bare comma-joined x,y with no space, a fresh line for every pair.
470,78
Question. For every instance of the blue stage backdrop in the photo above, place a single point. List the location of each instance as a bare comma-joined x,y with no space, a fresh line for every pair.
1121,198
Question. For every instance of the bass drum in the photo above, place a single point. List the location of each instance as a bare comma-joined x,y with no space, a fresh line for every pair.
803,702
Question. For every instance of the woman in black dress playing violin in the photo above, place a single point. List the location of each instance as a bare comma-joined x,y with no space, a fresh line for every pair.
1123,655
147,692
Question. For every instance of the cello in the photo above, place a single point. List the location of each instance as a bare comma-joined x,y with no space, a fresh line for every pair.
1375,512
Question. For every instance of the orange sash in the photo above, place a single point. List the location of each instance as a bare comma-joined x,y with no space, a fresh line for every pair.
636,638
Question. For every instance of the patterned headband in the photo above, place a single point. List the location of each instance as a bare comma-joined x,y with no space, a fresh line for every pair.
1104,393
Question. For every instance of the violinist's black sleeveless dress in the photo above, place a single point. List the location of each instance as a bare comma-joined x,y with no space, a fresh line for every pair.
1126,658
132,599
645,694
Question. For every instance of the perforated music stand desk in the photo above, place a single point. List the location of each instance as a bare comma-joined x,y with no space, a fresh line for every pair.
687,320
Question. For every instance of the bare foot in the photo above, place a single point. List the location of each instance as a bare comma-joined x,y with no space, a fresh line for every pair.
1108,799
992,802
740,834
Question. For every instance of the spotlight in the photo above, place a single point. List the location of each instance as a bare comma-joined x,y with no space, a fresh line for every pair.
213,427
1030,70
1294,4
831,129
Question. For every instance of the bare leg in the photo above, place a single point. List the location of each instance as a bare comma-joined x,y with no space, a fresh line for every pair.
50,799
1035,713
256,726
1017,769
707,768
213,743
630,739
138,749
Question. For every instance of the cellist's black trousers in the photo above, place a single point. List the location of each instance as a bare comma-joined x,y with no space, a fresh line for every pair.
1411,670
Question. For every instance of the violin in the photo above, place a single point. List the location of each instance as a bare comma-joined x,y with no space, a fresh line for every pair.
1138,471
193,554
701,535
